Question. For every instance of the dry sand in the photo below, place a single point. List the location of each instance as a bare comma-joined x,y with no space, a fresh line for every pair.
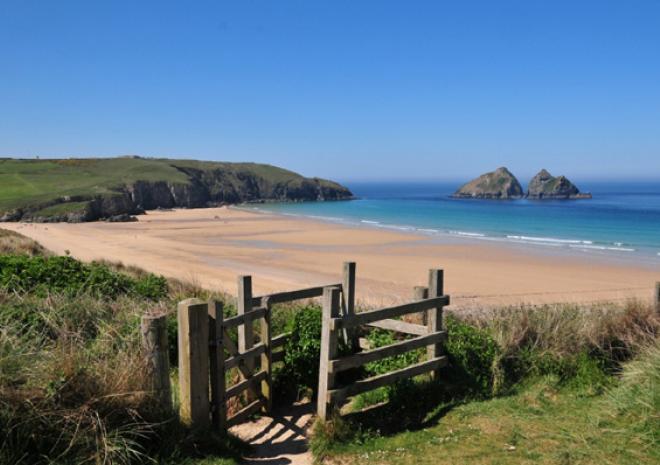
213,246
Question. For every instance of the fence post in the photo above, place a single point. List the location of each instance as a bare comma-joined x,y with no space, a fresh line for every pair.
217,361
154,345
657,297
434,315
246,330
348,304
193,339
266,359
328,350
421,293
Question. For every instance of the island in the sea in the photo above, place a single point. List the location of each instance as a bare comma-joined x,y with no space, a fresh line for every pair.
498,184
546,186
502,184
114,189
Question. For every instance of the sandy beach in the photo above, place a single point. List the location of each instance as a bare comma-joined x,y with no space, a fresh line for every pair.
213,246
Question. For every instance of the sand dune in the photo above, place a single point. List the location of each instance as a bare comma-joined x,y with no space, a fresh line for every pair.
213,246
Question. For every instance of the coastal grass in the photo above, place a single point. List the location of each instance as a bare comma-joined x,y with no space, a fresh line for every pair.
70,365
524,385
543,422
17,244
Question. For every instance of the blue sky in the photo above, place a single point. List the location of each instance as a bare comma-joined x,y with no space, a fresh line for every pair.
341,89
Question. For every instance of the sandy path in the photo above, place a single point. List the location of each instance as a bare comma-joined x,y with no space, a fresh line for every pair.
213,246
279,439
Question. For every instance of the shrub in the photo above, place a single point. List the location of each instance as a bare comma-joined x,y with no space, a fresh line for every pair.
380,338
44,275
302,353
472,355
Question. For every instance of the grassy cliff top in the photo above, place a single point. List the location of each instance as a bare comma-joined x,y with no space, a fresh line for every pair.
33,182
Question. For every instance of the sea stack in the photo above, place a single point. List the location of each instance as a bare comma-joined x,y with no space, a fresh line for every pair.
546,186
499,184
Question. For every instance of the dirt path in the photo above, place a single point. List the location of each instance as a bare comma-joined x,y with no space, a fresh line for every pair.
280,439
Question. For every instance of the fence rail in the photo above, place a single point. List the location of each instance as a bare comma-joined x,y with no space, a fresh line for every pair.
429,300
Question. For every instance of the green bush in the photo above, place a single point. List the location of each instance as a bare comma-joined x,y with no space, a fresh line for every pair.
302,353
44,275
473,355
381,338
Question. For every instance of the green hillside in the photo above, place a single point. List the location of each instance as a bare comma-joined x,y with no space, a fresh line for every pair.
89,189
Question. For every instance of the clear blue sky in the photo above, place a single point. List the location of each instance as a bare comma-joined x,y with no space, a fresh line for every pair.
342,89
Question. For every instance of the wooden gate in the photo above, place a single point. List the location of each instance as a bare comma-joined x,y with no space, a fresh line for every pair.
207,352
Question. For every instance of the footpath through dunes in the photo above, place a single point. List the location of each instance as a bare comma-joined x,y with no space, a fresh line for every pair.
213,246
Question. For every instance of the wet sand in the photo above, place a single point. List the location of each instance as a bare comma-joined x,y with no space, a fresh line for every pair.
213,246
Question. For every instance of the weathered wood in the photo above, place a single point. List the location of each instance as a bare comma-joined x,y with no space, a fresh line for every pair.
245,413
231,347
241,386
385,313
400,326
242,360
156,355
193,336
246,330
420,293
291,296
266,359
657,297
328,349
434,315
281,340
337,396
361,358
349,335
245,318
217,365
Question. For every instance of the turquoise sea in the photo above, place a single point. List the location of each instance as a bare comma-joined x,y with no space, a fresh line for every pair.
622,219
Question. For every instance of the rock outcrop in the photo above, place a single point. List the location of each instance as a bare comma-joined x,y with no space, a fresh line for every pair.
499,184
545,186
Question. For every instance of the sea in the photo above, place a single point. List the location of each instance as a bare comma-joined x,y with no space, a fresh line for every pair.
622,220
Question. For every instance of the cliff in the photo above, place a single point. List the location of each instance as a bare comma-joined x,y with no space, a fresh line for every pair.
77,190
546,186
499,184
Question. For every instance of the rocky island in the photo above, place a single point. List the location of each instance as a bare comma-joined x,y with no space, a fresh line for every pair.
502,184
499,184
114,189
545,186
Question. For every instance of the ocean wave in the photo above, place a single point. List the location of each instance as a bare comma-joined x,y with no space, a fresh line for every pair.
467,234
426,230
548,239
369,222
603,247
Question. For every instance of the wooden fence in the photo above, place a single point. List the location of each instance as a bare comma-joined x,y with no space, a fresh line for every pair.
429,300
204,341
